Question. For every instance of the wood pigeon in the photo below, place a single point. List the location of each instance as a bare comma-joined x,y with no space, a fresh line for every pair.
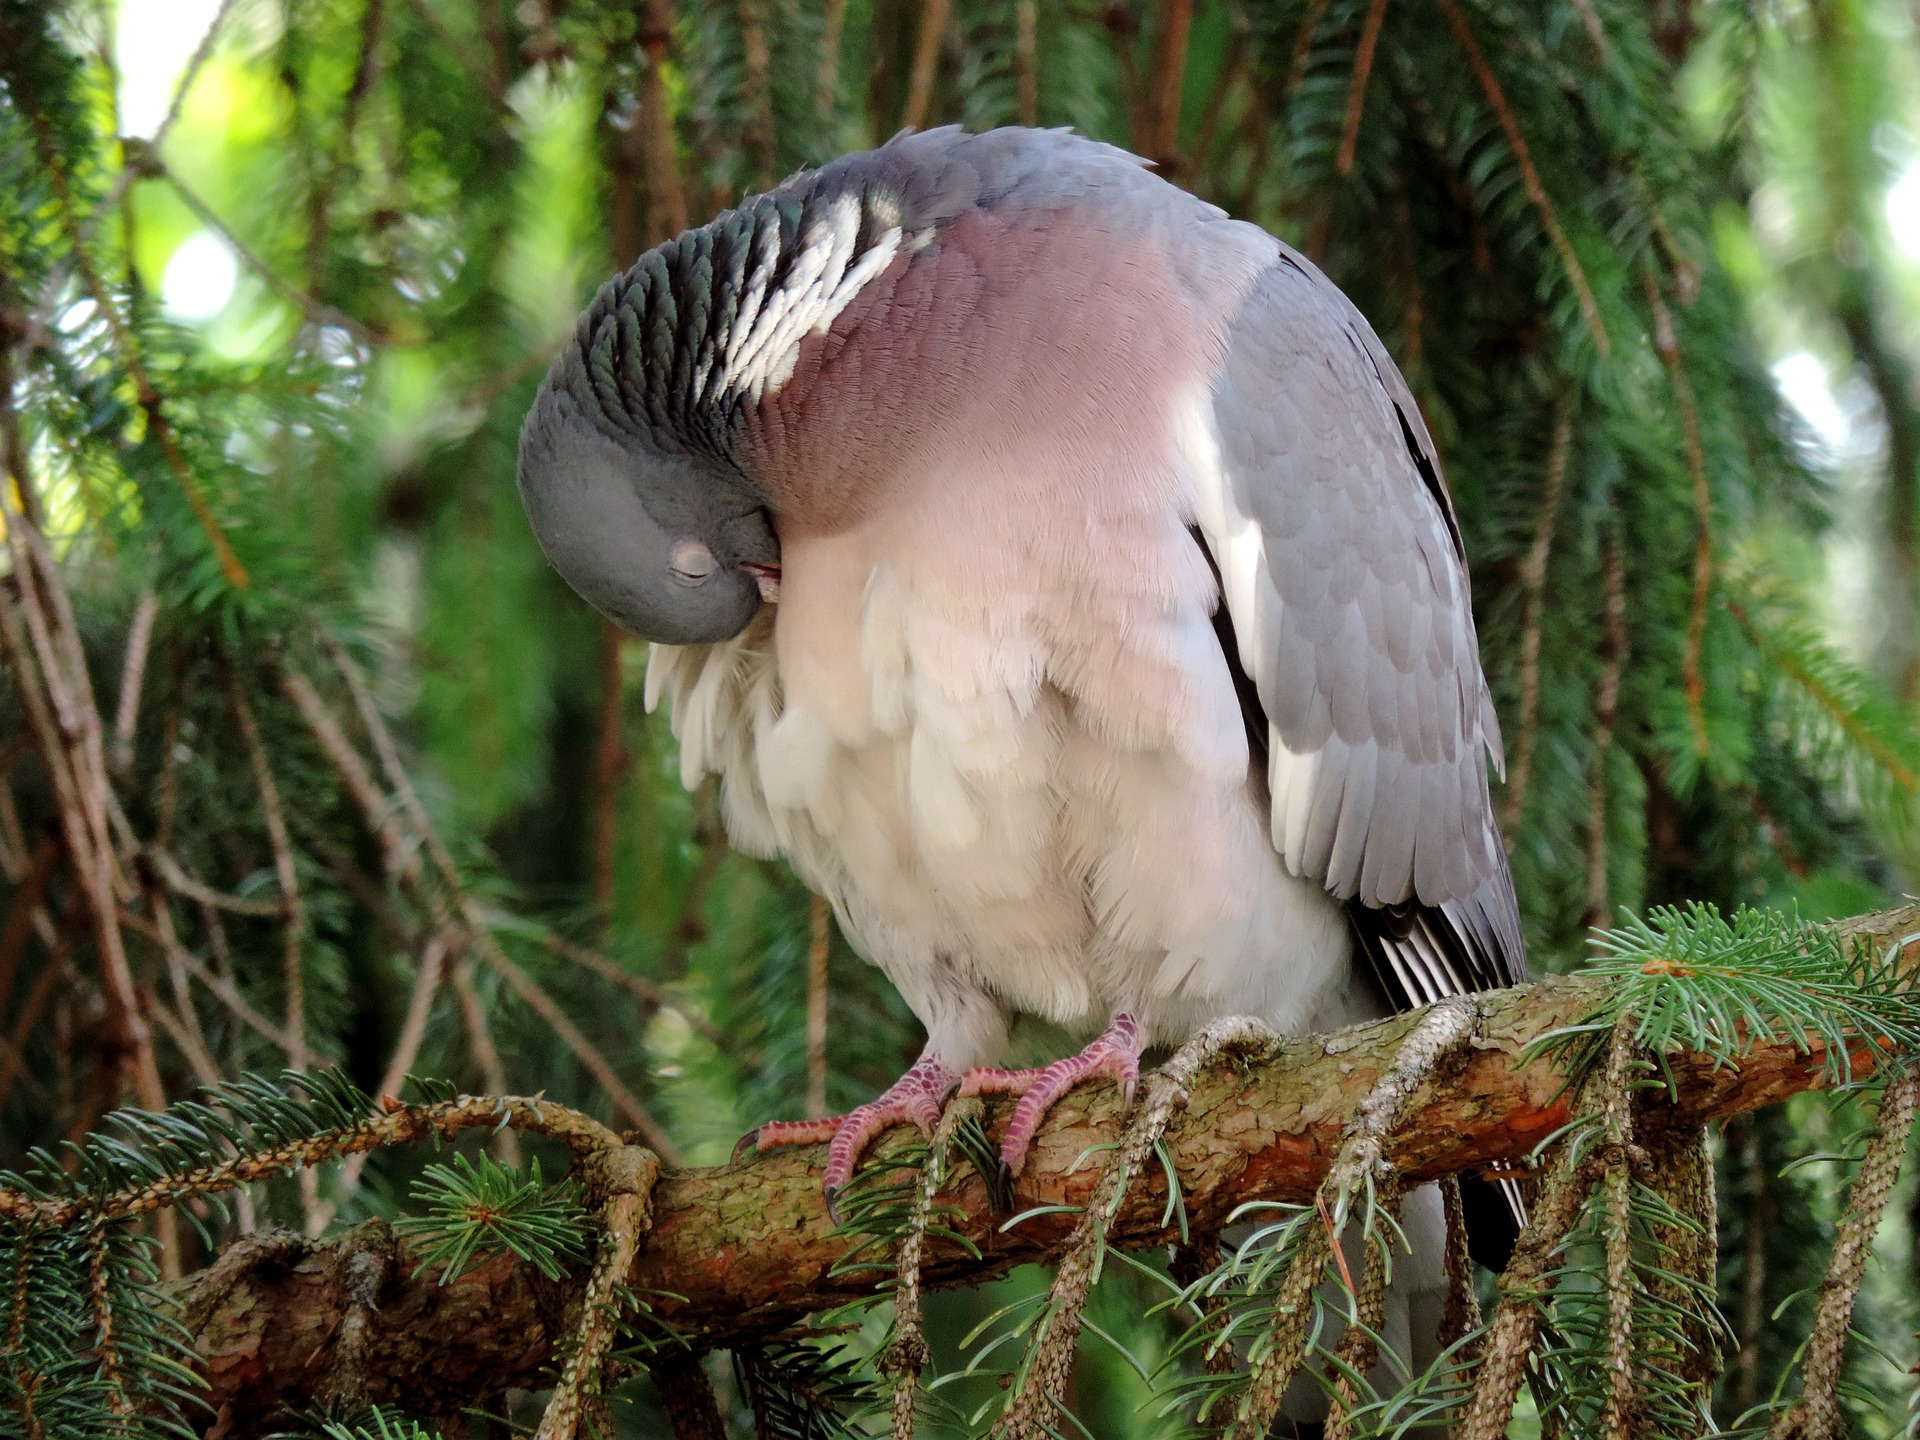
1059,574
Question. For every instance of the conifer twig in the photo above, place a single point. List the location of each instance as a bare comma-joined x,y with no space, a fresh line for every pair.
907,1354
622,1179
1529,175
1048,1363
1817,1414
1442,1031
403,1125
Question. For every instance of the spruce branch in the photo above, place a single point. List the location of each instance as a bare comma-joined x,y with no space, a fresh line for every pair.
1817,1414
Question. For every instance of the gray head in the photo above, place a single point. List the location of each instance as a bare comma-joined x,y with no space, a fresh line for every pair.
634,461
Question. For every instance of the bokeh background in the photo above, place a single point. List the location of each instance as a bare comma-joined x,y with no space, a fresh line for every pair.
278,280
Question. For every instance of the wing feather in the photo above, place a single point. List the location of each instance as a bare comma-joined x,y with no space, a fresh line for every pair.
1346,591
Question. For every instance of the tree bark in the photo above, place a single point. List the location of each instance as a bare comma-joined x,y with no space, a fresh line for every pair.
737,1252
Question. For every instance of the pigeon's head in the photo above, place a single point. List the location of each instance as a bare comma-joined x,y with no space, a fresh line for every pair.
640,460
672,547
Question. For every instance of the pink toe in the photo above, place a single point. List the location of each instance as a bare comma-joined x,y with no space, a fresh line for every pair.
1115,1056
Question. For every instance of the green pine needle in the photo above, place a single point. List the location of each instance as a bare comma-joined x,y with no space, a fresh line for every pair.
474,1211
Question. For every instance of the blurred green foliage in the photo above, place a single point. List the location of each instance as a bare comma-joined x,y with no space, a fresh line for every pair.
1586,228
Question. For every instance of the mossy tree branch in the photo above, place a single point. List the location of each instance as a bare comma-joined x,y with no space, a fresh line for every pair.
740,1252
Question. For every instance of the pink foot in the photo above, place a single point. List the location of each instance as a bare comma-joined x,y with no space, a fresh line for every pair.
916,1097
1114,1055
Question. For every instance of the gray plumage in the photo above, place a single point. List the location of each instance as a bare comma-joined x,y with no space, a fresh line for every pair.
1123,658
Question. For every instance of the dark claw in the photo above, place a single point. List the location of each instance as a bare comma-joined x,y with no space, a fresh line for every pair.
746,1142
832,1193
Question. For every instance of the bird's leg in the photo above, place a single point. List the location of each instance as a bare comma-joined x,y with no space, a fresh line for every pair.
1115,1054
916,1097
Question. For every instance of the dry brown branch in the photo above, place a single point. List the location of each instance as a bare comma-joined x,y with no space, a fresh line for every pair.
926,59
584,1050
41,641
293,976
1357,90
1529,176
744,1251
1668,346
485,1054
14,1054
374,806
133,671
907,1353
176,878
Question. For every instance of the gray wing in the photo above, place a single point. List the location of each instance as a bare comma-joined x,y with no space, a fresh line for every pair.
1346,600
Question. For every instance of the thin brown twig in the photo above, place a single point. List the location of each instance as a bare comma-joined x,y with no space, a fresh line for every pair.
1357,90
1303,47
1026,60
622,1177
833,24
405,1125
221,987
176,878
926,59
317,311
1818,1415
650,995
486,1054
1529,176
474,917
293,977
133,671
1166,84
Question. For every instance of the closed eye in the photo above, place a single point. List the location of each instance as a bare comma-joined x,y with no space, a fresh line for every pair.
690,563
